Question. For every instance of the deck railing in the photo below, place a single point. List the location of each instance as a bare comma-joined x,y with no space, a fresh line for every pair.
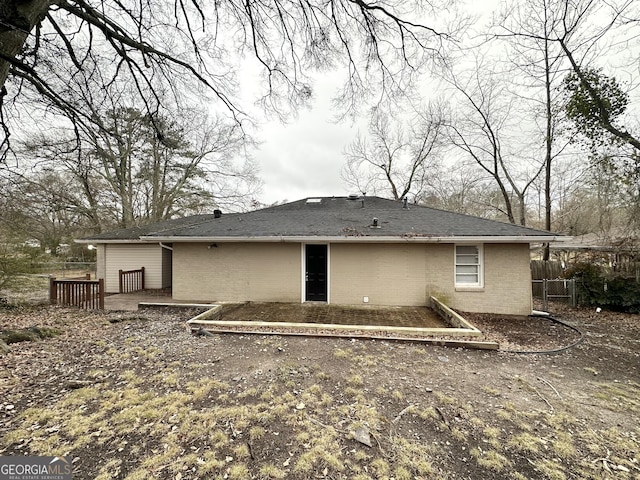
81,293
131,280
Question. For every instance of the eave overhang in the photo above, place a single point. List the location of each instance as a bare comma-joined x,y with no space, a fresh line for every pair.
96,241
409,238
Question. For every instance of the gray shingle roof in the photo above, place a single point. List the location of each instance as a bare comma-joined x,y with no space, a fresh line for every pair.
340,217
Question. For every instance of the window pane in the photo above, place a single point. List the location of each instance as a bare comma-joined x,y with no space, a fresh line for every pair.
472,279
467,259
468,269
467,250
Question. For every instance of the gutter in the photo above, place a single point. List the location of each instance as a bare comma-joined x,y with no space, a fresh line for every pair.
113,240
357,239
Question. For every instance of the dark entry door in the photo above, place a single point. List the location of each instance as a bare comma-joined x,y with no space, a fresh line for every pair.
316,273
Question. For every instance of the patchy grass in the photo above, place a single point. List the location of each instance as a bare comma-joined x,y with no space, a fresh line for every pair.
159,403
30,334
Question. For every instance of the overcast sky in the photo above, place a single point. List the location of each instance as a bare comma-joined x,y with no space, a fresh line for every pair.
304,157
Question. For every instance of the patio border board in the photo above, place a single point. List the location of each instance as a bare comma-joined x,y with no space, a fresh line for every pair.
210,322
478,345
176,305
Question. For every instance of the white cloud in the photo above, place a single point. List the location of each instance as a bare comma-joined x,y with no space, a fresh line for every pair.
304,158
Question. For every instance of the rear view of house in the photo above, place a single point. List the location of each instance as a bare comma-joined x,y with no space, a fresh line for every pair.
343,250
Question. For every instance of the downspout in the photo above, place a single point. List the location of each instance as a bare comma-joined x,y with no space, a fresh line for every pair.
166,246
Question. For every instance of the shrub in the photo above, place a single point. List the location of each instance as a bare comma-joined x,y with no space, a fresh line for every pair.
614,291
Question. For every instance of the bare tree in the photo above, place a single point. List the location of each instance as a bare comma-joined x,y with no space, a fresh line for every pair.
41,206
160,47
586,32
575,40
458,188
130,172
600,203
486,111
535,55
393,161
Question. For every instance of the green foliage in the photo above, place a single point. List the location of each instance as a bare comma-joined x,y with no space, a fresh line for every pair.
594,103
613,291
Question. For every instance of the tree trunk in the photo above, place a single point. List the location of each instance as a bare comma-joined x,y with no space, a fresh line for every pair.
17,19
549,152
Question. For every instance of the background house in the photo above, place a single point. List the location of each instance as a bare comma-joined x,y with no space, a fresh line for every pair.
617,249
343,250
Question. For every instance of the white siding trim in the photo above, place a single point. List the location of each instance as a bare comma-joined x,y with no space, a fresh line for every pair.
132,257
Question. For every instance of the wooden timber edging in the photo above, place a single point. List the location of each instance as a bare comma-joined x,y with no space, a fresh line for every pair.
452,318
212,314
452,332
210,322
459,325
478,345
153,305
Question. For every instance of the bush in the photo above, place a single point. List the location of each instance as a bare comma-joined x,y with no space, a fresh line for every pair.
613,291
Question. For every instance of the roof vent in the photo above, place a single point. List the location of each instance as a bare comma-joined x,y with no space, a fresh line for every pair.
217,213
353,196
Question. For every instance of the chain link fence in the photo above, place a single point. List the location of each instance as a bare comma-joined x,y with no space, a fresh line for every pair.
559,289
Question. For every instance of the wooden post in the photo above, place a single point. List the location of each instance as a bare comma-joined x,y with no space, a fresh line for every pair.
53,299
545,306
142,275
120,277
88,298
101,293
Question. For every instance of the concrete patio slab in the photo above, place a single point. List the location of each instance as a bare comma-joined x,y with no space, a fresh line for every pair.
132,301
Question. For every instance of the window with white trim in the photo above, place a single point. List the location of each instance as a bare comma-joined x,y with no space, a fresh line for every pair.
468,266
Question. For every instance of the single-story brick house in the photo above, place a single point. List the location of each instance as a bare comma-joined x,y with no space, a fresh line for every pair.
342,250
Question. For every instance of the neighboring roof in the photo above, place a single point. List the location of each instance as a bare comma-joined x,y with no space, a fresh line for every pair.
616,241
335,219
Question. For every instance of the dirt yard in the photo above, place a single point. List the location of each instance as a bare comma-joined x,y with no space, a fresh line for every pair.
136,396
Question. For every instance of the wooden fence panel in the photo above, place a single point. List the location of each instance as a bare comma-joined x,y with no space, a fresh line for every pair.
131,280
549,269
81,293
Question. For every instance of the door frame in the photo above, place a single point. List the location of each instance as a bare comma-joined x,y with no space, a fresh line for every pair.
303,283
